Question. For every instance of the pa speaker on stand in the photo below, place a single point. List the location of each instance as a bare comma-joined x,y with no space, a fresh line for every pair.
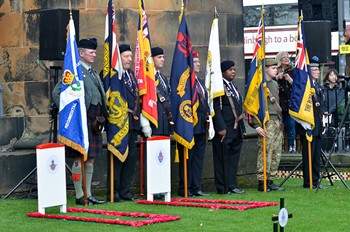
53,32
318,39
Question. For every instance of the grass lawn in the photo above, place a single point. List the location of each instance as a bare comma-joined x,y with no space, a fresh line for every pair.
326,210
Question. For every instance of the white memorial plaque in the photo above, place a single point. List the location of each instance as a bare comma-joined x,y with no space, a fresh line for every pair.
51,173
158,167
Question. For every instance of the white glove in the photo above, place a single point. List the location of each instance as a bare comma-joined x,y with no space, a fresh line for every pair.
211,131
146,128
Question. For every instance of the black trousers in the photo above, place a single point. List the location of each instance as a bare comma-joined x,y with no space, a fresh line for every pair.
316,145
124,171
226,157
195,164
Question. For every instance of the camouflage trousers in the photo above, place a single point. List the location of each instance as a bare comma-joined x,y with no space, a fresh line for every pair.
273,150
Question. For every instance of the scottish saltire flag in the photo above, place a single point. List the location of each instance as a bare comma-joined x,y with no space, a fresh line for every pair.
73,130
144,68
184,100
118,127
213,76
301,107
255,102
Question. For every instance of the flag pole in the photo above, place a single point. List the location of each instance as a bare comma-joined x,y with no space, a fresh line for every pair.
262,74
142,152
111,180
185,151
82,161
185,171
310,164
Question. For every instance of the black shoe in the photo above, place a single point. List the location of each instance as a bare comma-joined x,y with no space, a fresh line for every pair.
188,194
236,191
274,187
80,201
116,197
200,193
95,201
261,186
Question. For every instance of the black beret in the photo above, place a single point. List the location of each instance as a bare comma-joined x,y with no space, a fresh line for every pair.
270,62
88,43
226,65
124,47
157,51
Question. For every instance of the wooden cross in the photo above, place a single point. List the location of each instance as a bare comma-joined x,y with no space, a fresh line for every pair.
281,218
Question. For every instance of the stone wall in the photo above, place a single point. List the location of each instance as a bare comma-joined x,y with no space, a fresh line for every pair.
28,81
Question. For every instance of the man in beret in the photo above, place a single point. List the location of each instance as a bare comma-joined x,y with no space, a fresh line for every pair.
196,154
124,171
273,132
229,133
316,144
95,101
165,119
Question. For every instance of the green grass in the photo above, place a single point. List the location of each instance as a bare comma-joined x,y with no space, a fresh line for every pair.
327,210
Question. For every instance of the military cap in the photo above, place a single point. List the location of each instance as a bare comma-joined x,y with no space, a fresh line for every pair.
226,65
124,47
195,54
90,43
270,62
157,51
314,62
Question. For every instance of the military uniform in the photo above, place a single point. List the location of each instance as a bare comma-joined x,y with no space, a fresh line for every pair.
226,154
195,160
124,171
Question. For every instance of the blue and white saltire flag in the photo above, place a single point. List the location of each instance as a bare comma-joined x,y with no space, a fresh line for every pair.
73,130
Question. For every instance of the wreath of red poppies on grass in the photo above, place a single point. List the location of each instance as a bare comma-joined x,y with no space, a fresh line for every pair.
212,204
150,218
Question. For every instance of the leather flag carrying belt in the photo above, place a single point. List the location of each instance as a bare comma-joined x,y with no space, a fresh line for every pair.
166,109
240,117
133,112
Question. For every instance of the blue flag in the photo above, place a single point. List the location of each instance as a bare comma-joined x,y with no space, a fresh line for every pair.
184,99
256,90
118,121
73,130
301,107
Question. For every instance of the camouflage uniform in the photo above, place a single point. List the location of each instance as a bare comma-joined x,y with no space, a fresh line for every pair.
273,139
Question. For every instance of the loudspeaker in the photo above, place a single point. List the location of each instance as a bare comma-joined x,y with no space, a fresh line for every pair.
320,10
53,32
317,35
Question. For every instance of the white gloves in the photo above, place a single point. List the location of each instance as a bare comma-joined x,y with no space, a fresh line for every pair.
211,131
146,128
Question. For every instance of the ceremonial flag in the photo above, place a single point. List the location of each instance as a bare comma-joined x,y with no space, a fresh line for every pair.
73,130
118,127
301,108
184,100
213,76
144,69
255,102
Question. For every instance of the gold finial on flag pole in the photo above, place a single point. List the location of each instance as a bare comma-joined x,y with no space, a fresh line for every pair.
182,10
70,9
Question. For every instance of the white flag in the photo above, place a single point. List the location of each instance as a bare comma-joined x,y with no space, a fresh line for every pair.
213,77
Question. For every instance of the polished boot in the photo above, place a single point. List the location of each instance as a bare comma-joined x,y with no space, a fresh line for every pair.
274,187
261,186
